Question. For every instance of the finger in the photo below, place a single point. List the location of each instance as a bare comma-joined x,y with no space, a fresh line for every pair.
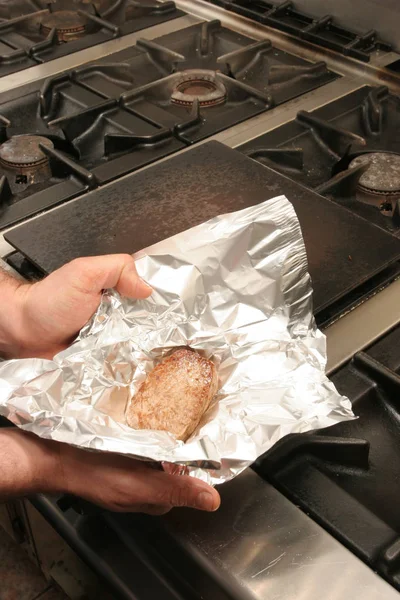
163,489
94,274
153,510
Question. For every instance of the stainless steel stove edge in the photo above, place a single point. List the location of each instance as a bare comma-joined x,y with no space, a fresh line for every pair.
260,546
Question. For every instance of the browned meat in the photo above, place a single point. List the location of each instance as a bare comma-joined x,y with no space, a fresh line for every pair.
175,394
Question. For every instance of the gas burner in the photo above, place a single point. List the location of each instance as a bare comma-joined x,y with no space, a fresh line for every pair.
200,85
69,25
22,156
379,185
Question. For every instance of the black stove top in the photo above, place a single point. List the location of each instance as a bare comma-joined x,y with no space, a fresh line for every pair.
349,151
105,119
322,30
36,31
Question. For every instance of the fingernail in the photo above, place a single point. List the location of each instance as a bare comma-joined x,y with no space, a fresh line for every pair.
206,501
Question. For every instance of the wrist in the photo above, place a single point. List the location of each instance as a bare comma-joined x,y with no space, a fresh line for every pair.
74,468
29,465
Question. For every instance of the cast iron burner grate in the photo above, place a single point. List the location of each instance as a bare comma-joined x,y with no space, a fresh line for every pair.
111,118
323,31
36,32
349,151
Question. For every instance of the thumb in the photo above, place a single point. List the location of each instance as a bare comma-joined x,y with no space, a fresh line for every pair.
55,309
93,274
178,490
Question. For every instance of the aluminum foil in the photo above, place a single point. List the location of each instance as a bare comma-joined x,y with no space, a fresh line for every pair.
235,289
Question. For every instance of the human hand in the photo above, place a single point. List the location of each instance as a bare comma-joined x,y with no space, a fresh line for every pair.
33,465
52,312
122,484
45,318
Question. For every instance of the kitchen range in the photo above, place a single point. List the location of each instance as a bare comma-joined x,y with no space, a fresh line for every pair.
125,122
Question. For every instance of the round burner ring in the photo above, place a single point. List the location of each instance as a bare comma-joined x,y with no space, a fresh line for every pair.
201,85
69,25
380,183
23,152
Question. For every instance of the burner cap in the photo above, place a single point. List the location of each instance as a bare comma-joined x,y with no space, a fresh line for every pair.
383,175
22,152
200,85
380,183
69,25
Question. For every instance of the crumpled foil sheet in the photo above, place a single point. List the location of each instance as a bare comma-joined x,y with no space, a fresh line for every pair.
236,289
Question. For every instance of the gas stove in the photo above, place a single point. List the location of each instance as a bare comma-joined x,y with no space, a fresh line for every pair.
210,107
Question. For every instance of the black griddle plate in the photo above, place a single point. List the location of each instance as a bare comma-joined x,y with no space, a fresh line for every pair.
132,213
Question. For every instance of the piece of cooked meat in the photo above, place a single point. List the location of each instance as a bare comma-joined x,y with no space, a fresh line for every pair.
175,394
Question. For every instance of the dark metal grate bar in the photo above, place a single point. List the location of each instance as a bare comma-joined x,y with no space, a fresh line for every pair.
193,120
49,42
100,22
240,61
154,7
332,139
292,157
114,144
17,20
378,372
5,192
372,110
83,174
165,59
46,95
